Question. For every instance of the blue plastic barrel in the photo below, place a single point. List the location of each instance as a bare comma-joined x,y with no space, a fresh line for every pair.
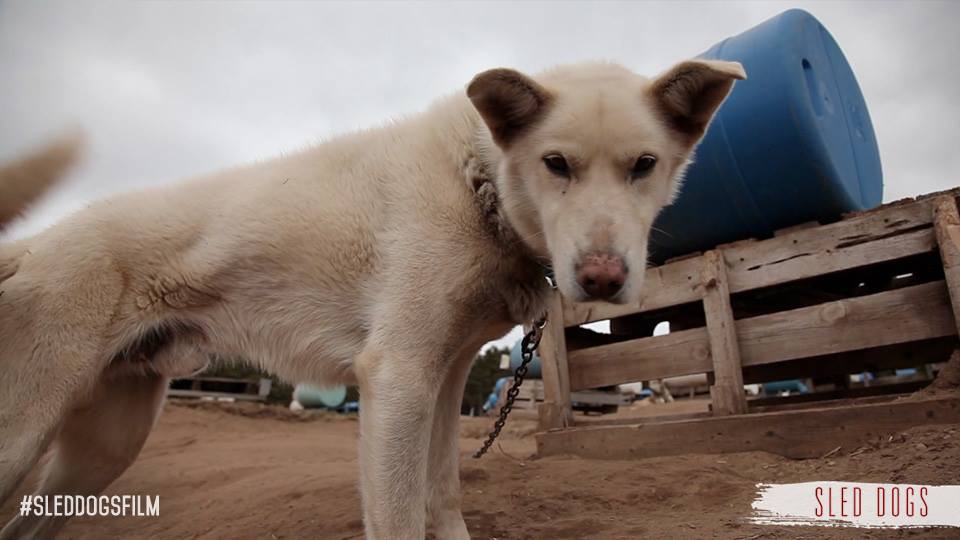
793,143
315,397
533,368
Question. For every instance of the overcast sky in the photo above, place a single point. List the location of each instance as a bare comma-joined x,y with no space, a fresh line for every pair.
166,90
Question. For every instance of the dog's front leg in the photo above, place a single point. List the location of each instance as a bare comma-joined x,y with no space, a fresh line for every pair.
397,396
443,505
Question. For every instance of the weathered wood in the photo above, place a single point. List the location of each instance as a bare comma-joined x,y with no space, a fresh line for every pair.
685,256
200,394
888,233
900,355
807,258
555,412
677,353
799,227
818,399
947,226
726,392
899,316
803,433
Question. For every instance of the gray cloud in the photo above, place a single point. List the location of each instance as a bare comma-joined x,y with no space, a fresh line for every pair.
167,90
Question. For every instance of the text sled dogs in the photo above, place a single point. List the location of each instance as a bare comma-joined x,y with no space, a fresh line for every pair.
384,258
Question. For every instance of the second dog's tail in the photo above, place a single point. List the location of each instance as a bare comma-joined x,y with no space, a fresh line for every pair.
24,180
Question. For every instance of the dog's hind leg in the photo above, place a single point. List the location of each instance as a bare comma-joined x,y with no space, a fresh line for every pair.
443,504
96,444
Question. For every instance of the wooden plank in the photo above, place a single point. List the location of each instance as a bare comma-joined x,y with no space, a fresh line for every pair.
795,228
842,402
798,434
555,411
808,259
621,421
947,227
726,392
897,316
769,403
197,394
677,353
903,315
886,234
901,355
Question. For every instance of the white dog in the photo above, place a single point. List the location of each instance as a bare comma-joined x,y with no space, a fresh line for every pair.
383,258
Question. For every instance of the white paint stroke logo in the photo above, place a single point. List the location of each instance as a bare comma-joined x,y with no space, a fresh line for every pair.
857,504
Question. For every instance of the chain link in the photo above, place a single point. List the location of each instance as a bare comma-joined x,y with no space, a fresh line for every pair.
527,347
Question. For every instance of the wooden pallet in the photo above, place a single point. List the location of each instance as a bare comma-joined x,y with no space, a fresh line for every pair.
220,388
876,290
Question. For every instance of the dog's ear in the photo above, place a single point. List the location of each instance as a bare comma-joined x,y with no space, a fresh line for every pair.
509,102
689,93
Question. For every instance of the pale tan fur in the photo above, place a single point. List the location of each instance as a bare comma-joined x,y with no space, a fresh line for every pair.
383,258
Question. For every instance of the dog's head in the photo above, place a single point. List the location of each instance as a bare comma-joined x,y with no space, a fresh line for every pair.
590,155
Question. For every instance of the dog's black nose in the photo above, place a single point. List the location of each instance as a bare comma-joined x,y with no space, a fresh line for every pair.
601,275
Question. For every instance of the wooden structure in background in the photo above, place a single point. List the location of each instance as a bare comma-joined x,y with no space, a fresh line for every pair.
220,388
531,396
874,291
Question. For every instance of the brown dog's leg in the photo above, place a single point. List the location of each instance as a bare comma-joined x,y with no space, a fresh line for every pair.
95,445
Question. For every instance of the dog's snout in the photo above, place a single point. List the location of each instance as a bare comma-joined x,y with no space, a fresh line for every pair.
601,275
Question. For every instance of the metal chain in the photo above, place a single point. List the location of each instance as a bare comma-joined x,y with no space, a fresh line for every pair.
527,347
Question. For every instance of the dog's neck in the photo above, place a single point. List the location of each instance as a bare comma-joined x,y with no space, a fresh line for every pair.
527,287
480,172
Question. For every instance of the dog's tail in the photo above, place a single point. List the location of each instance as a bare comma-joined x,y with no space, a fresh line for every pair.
24,180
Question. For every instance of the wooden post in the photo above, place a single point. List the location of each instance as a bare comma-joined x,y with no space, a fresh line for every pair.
946,222
555,412
726,392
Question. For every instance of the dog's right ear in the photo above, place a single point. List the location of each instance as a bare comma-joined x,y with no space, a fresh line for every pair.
509,102
691,92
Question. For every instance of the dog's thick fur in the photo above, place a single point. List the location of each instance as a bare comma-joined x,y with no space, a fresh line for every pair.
384,258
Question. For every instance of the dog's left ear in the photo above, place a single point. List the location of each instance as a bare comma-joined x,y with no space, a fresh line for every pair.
689,93
509,102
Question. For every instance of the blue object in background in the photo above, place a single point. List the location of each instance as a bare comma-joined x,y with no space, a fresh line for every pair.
494,396
311,397
792,143
793,386
533,368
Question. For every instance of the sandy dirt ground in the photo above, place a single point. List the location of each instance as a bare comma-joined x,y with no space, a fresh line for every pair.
252,471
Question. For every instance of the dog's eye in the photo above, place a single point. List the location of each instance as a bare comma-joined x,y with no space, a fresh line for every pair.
557,165
643,166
